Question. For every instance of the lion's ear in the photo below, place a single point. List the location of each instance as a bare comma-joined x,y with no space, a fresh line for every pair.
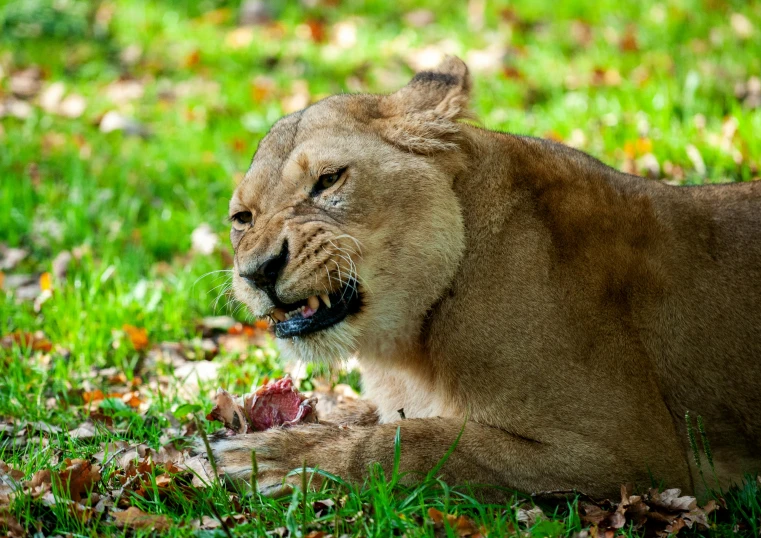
421,117
443,91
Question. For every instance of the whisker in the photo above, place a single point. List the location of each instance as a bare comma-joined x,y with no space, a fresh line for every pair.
225,291
211,273
356,241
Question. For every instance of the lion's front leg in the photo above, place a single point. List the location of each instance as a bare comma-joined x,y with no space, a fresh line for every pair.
278,452
484,455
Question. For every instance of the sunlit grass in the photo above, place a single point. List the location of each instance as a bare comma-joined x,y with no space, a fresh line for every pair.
630,83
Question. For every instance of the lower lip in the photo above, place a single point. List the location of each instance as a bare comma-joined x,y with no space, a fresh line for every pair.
323,318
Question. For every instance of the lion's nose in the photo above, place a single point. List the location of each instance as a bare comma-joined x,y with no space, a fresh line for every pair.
265,276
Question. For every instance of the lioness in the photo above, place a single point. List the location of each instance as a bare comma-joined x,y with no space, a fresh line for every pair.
565,313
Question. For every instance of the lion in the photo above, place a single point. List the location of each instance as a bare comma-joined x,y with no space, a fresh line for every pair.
550,317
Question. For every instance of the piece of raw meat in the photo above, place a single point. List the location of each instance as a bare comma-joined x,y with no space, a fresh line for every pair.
277,403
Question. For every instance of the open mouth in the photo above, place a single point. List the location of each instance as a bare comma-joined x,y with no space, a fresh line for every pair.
317,312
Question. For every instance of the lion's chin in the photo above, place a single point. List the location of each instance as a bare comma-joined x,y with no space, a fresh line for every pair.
330,346
303,318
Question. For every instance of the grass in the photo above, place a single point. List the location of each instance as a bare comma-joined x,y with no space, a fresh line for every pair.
657,88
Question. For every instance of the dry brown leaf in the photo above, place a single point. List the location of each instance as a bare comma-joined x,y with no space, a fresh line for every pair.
529,516
36,341
86,430
93,396
628,42
78,478
203,475
670,500
10,481
658,513
138,336
192,59
229,411
26,83
461,525
134,518
10,525
10,257
40,483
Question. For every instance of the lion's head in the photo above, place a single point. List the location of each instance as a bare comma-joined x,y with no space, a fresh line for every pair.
346,227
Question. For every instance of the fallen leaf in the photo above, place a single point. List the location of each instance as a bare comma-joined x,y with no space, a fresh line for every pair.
15,108
124,91
10,257
192,59
134,518
46,282
203,475
10,525
35,340
114,121
529,516
26,83
93,396
240,37
317,30
138,336
670,500
658,513
10,480
39,484
78,478
322,507
73,106
86,430
461,525
262,89
61,264
628,42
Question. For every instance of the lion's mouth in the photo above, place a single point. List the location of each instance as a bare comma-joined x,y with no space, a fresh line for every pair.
316,313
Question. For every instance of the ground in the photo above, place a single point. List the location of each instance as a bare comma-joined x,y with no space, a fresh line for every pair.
124,126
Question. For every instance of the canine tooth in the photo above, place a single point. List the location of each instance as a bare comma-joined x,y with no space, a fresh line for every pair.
278,314
325,299
313,302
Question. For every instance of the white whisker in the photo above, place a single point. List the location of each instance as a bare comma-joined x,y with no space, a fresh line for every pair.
211,273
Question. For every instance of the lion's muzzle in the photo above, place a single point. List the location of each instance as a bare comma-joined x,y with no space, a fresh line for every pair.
309,314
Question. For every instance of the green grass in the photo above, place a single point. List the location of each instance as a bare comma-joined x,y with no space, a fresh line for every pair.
127,204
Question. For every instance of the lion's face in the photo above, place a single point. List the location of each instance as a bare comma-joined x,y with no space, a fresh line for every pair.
344,233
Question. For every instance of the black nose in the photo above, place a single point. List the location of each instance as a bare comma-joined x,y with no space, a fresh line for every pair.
265,276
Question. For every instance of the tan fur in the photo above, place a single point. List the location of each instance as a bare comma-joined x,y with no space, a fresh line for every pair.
572,313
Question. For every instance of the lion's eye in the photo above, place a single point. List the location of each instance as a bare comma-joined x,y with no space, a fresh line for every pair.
326,181
241,219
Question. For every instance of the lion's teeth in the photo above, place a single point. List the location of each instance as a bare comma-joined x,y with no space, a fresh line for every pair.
313,302
278,314
325,299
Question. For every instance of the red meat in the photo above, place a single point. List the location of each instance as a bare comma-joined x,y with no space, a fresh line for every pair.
277,403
